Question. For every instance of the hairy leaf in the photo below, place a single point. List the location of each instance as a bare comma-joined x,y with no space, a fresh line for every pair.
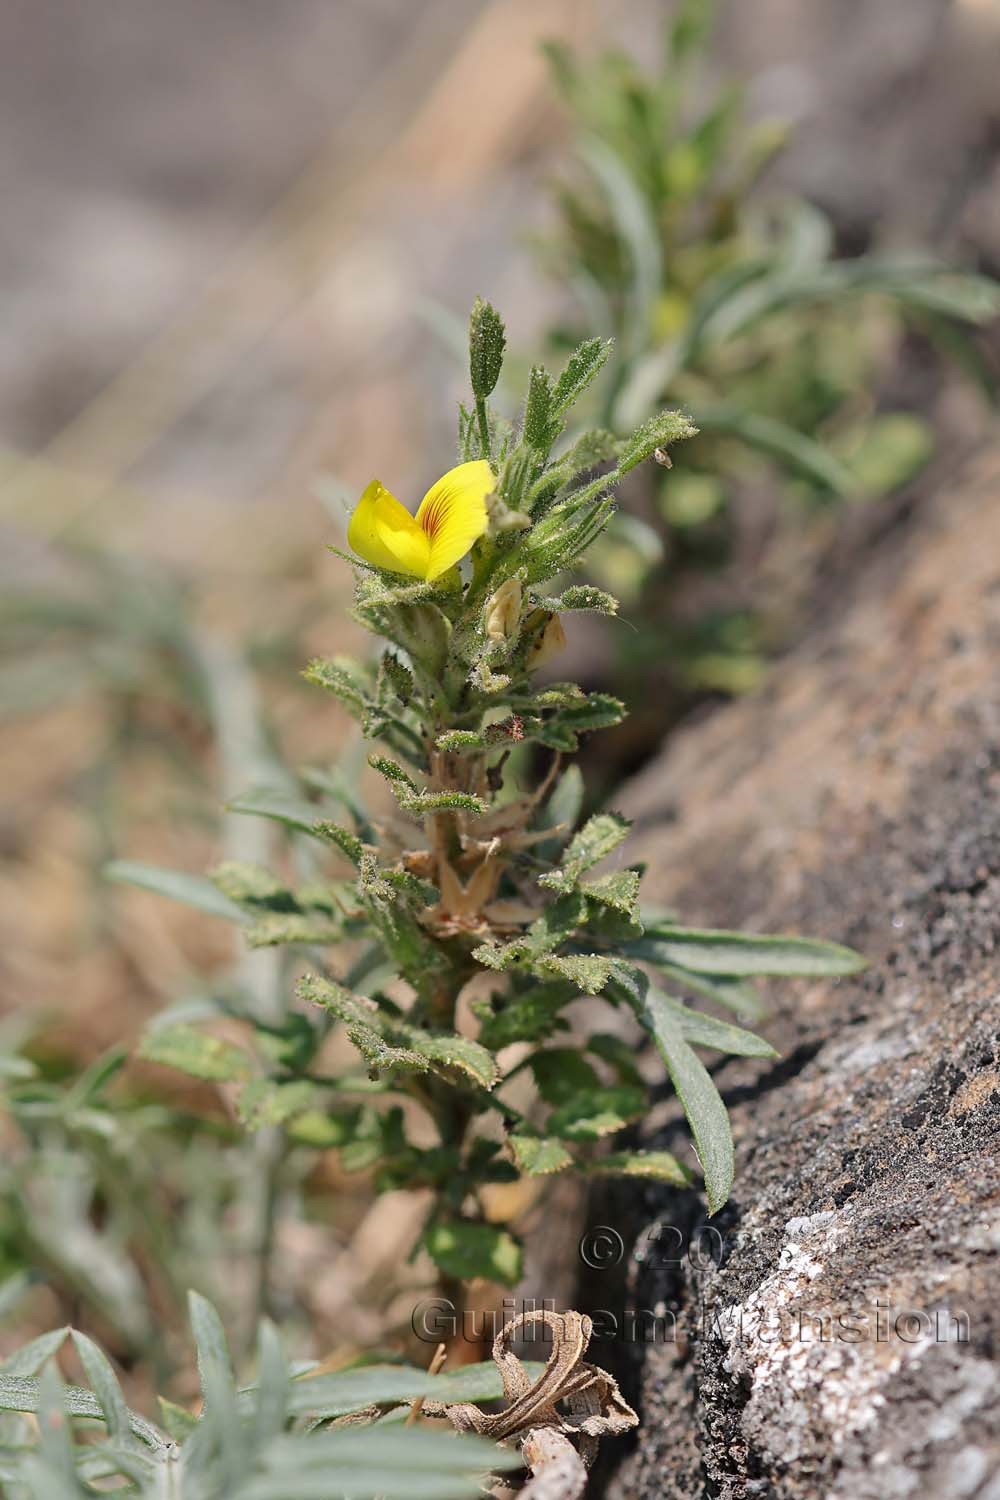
465,1249
196,1053
659,1166
538,1157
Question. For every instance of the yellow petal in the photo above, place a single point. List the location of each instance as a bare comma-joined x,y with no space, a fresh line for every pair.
385,534
453,513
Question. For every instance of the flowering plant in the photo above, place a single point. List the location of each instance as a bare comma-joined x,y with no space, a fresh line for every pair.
479,892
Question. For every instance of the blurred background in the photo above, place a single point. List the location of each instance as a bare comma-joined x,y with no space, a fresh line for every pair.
238,250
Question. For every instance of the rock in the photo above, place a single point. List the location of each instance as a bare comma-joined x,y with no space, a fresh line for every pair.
836,1325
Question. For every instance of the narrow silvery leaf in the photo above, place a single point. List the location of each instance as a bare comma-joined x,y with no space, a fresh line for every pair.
209,1337
274,1383
192,890
700,1099
706,1031
105,1385
32,1357
707,951
55,1433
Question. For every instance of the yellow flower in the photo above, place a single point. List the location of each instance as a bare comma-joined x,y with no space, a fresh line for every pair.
452,515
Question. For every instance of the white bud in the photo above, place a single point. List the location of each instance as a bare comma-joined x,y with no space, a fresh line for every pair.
503,611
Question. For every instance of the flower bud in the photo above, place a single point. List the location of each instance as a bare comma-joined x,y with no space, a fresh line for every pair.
503,611
547,645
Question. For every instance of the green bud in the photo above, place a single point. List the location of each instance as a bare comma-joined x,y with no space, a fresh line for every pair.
539,429
487,342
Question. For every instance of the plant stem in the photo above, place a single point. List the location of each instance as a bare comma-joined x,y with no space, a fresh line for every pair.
484,426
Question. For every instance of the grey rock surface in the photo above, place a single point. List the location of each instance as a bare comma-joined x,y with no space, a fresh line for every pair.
836,1326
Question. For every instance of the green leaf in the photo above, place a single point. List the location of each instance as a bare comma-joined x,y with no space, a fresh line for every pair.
562,1073
418,627
250,884
278,928
591,971
598,837
388,1043
323,1128
196,1053
583,366
700,1099
556,923
707,951
465,1250
735,994
657,1166
355,1010
619,889
264,1101
348,843
382,1055
528,1017
449,1053
177,885
395,680
393,772
537,1157
596,1113
659,432
341,677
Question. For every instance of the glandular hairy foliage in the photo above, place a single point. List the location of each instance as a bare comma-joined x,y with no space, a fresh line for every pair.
480,886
